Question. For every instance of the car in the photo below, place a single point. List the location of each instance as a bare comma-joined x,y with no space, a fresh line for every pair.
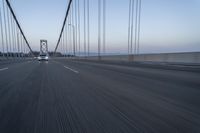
43,57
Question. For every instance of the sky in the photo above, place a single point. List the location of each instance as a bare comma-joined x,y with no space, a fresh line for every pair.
166,25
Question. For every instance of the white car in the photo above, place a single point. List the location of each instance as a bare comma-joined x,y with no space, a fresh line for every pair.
43,57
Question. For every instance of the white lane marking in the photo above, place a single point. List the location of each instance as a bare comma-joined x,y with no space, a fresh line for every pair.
4,69
71,69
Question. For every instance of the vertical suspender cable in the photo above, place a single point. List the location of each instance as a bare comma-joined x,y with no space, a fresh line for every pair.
21,45
5,23
84,27
17,42
104,27
61,46
75,12
136,27
66,34
2,36
9,34
70,33
132,16
79,36
14,26
139,24
12,38
64,42
88,25
129,25
73,30
24,47
99,28
12,30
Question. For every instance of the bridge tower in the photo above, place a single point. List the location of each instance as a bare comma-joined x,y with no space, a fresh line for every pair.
43,47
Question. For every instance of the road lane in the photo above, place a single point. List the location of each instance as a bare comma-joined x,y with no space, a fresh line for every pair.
46,98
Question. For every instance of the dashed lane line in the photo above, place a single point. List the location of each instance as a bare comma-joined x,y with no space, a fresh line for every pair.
3,69
75,71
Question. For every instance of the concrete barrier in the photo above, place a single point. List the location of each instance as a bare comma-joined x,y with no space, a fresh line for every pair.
192,57
4,60
188,57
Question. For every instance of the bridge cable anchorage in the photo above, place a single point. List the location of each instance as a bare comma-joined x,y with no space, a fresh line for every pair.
2,34
66,15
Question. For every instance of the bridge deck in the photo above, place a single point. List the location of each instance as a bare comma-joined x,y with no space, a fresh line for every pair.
76,96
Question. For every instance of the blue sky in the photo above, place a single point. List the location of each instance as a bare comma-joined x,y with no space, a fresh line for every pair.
166,25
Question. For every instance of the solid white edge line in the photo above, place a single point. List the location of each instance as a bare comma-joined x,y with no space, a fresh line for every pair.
4,69
71,69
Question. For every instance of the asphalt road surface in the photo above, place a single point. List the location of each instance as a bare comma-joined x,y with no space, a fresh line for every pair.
63,96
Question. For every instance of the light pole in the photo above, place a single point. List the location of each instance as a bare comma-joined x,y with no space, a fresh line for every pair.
73,38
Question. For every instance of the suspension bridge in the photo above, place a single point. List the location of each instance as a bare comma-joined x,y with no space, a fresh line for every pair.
81,91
